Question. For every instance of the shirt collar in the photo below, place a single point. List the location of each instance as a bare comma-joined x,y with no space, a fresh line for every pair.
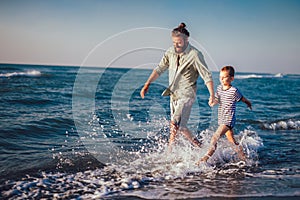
187,49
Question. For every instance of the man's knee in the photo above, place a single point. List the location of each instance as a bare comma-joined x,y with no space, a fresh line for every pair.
174,124
183,129
173,127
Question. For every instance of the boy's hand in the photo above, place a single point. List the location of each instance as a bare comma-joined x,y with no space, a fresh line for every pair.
212,101
246,101
249,105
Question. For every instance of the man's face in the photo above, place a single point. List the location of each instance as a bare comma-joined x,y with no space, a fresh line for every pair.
180,43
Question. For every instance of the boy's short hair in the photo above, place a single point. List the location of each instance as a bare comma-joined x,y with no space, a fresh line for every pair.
229,69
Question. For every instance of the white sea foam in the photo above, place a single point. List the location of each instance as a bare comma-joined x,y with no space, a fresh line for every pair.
283,125
183,158
279,75
27,73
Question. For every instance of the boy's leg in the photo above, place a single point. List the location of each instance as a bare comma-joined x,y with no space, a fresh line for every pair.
238,149
222,129
229,135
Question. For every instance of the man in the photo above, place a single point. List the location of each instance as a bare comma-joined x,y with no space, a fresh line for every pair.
185,64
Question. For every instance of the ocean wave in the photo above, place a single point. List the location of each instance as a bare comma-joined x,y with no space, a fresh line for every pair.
283,125
279,75
110,183
27,73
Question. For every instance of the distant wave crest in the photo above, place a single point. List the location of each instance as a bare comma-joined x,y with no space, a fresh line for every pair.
279,75
283,125
27,73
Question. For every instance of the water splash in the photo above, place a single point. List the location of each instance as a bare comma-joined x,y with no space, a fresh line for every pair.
154,168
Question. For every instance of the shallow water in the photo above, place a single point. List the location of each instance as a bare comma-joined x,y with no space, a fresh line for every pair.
85,133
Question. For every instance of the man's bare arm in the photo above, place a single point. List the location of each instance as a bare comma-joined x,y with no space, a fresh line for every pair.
153,76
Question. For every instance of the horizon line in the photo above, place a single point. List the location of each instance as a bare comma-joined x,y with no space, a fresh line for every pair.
117,67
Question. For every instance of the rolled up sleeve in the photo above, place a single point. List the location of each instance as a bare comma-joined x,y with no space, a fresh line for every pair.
202,67
163,64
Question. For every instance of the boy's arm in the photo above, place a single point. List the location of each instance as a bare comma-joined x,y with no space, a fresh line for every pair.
246,101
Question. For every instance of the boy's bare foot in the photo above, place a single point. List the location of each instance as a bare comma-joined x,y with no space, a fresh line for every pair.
241,156
203,159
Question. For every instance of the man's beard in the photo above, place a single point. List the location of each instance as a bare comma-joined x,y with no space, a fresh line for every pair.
181,49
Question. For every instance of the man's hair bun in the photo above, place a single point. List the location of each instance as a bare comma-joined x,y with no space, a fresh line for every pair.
180,30
182,25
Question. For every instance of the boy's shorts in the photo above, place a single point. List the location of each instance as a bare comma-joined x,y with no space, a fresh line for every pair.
181,110
230,127
229,122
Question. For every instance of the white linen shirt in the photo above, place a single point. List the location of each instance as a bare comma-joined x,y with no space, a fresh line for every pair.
191,65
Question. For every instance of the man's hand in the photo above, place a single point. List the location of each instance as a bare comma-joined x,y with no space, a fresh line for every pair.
212,101
144,90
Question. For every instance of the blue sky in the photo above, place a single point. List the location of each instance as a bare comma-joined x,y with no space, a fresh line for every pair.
253,36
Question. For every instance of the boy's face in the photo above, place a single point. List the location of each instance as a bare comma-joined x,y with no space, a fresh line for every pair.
225,78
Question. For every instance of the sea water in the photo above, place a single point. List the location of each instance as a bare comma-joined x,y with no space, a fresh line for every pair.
73,133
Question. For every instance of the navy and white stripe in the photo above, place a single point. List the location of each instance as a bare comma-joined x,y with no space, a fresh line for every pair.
227,105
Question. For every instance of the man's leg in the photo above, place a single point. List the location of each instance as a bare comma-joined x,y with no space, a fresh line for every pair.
182,115
186,132
173,133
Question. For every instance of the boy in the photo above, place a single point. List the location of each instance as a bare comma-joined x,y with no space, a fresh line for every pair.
226,96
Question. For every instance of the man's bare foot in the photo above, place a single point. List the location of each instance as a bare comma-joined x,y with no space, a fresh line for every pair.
196,142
